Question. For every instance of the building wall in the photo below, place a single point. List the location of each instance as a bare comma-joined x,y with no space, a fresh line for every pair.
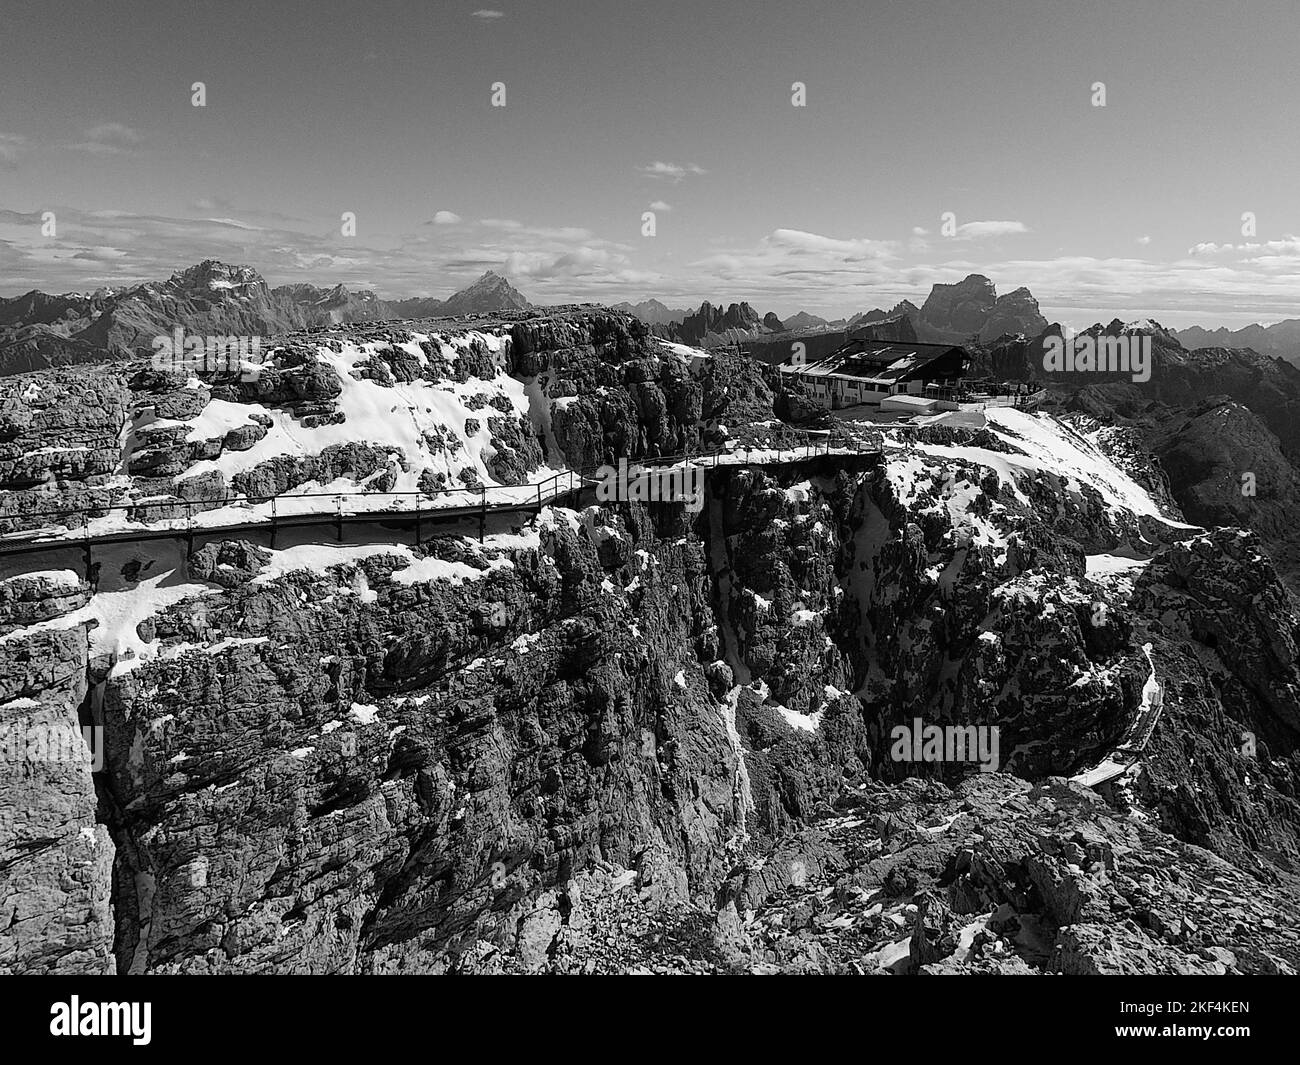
833,392
837,393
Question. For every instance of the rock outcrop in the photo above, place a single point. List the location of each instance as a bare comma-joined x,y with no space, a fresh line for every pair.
972,307
712,325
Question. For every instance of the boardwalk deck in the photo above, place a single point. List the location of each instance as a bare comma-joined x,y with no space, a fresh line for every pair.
92,526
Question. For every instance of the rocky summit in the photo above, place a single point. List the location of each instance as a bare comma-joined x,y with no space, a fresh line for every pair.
340,660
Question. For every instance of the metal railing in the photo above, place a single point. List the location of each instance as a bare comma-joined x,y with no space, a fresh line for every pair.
790,446
484,499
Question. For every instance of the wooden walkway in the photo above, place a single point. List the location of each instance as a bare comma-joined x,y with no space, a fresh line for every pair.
83,527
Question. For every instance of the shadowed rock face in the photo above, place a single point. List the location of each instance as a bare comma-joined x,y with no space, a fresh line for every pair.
899,327
963,307
972,308
1014,312
1229,469
544,750
1223,425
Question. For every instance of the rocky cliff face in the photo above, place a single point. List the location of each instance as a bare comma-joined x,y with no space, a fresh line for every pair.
1015,312
900,328
956,313
1223,424
616,736
972,307
963,307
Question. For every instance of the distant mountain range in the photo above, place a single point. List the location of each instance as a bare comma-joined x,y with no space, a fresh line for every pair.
969,310
1281,339
712,325
38,330
650,311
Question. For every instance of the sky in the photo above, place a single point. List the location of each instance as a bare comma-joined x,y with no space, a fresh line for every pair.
936,139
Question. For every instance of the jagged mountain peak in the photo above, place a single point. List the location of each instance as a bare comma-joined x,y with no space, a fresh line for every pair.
214,275
490,292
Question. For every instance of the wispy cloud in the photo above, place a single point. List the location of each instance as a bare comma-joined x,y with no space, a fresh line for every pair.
659,205
488,15
108,138
671,171
226,206
1288,246
116,248
11,147
213,203
788,262
980,230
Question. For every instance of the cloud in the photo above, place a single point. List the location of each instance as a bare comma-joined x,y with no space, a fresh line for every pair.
979,230
659,205
101,254
213,203
1288,246
1144,241
11,147
576,263
920,231
108,138
849,250
561,264
486,15
110,132
444,218
673,172
792,264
